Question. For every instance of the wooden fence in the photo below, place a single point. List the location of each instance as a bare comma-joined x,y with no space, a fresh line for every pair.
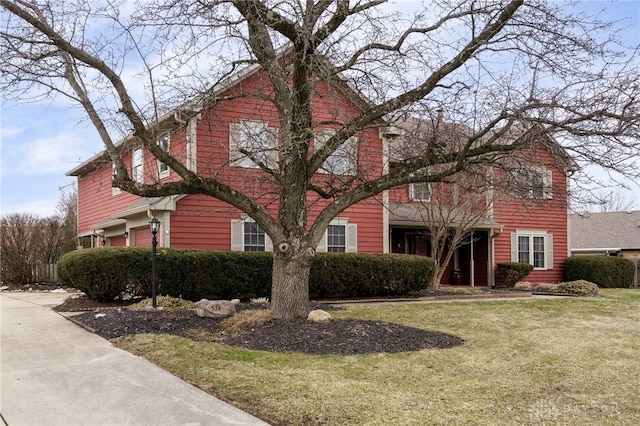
44,273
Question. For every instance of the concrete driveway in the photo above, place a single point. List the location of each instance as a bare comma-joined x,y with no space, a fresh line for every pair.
53,372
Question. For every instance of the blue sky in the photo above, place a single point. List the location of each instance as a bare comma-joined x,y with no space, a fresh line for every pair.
39,142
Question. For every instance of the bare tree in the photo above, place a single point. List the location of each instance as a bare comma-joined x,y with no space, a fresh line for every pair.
57,233
614,201
19,243
490,65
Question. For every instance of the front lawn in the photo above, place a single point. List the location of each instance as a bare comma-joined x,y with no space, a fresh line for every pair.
572,361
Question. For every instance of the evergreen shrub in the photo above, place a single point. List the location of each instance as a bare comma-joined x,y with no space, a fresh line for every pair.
106,274
605,271
512,272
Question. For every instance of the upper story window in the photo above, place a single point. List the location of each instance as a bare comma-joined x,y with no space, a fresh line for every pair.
252,138
342,161
533,247
164,142
535,182
137,165
420,191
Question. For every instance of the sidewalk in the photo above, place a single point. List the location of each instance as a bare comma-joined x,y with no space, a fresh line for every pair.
53,372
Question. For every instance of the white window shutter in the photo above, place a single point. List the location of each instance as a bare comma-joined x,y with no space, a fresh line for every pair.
322,245
548,185
268,244
548,262
235,137
237,235
514,247
352,238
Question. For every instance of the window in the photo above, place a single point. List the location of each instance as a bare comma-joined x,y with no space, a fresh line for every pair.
420,191
340,237
533,247
246,235
256,138
164,142
137,166
114,190
342,161
337,238
253,237
535,182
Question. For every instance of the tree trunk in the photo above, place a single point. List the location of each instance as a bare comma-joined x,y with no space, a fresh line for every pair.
290,285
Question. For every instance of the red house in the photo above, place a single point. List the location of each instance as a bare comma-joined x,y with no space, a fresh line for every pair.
207,138
513,211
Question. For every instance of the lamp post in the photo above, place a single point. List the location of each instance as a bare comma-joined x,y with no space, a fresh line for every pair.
154,223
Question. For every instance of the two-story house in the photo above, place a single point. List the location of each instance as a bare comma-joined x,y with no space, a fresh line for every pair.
514,209
208,138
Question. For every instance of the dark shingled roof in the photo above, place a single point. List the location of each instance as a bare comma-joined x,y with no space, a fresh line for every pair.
605,230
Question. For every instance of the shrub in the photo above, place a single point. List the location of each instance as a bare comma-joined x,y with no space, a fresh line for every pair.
578,288
346,275
512,272
605,271
106,274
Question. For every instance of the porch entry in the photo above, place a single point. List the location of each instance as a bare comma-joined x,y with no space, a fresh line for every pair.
471,259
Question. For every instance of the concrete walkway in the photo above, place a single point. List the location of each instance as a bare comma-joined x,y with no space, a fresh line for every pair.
53,372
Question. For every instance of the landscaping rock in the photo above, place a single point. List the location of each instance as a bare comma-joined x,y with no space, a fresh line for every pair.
215,308
319,316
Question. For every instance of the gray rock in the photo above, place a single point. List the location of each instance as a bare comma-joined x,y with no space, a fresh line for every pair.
215,308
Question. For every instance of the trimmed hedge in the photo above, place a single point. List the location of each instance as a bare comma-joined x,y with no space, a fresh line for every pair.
106,274
512,272
605,271
346,275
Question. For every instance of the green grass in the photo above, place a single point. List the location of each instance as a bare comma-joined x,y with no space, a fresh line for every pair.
565,361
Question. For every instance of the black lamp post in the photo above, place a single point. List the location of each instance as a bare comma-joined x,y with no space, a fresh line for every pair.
155,225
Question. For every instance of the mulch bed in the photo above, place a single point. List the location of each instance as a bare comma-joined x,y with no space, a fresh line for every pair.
338,337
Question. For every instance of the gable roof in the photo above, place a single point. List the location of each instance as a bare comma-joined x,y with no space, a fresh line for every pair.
413,135
620,230
194,106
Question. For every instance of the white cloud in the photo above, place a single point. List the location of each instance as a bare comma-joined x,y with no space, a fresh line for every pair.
41,208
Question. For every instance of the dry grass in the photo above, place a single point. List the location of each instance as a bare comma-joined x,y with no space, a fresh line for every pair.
247,320
562,361
167,303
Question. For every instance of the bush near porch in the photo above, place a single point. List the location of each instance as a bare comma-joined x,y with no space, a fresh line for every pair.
512,272
106,274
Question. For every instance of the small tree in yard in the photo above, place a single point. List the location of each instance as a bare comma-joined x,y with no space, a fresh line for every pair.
532,63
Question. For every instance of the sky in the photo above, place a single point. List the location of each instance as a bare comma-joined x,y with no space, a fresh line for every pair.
40,142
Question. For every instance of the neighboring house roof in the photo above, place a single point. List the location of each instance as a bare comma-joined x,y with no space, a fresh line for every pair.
611,230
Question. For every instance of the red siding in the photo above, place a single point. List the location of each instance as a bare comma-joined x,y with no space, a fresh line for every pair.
547,215
96,201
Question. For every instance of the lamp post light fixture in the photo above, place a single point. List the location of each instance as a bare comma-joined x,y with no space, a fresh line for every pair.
154,223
